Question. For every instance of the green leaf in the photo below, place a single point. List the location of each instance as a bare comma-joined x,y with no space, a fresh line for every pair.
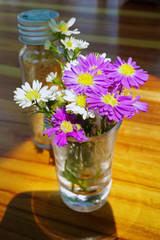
84,184
76,51
54,49
71,178
99,132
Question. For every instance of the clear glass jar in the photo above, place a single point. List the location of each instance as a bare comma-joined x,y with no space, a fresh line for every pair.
36,62
84,170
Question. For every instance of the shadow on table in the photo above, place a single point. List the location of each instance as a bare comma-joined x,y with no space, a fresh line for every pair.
43,216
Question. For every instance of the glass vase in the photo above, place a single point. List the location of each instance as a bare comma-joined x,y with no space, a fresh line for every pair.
84,170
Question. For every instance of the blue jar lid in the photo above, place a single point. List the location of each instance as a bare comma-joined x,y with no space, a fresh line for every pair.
33,26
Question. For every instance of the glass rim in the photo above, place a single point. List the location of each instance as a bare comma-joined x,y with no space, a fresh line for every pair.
36,16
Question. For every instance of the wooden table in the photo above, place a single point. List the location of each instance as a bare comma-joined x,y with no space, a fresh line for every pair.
30,204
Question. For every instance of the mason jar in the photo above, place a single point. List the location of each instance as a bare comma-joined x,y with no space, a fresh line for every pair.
36,62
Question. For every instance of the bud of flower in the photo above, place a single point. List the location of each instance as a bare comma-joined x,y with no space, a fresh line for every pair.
60,100
78,126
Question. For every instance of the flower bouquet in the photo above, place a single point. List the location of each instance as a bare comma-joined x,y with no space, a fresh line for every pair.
83,111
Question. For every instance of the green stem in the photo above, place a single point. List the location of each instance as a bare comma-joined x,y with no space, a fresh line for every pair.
43,110
38,106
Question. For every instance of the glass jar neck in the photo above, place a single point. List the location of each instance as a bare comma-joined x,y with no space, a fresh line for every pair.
39,47
35,47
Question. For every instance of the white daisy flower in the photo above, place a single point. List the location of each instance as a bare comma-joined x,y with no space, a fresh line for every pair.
51,76
78,104
70,43
53,92
27,95
59,94
82,44
56,94
68,64
63,27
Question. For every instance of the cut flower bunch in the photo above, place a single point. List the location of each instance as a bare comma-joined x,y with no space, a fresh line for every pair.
90,97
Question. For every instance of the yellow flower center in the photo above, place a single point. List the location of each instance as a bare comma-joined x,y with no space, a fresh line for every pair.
32,95
69,44
126,69
81,101
63,27
109,99
99,72
85,79
66,127
93,67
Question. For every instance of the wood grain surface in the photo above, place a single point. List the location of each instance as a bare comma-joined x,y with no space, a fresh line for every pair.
30,204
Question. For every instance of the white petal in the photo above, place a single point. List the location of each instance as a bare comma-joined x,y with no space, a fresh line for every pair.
53,25
19,91
107,59
26,87
61,22
70,107
43,90
71,22
62,41
75,31
53,88
71,53
67,33
60,93
82,56
84,115
103,55
91,114
69,96
38,85
52,21
53,97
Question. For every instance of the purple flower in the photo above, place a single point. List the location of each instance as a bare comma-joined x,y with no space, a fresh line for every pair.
127,74
94,62
87,76
112,105
65,126
139,106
